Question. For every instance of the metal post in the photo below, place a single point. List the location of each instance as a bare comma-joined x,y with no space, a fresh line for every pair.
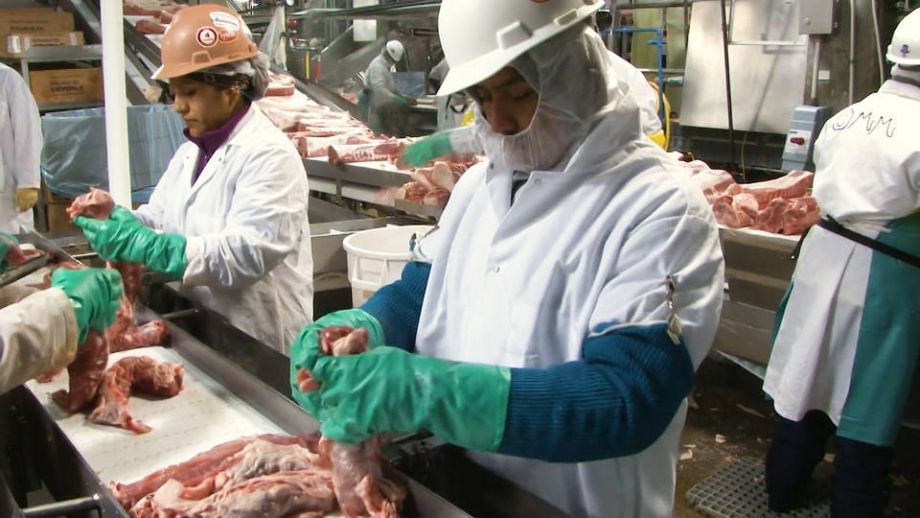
116,106
728,93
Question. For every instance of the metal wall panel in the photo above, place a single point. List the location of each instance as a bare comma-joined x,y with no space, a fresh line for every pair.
768,81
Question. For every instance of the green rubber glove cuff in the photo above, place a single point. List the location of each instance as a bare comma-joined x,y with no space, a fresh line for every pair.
391,390
305,349
428,149
95,293
165,253
5,241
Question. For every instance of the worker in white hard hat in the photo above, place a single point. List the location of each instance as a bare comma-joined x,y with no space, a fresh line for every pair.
847,334
386,112
463,140
20,152
553,322
40,331
229,215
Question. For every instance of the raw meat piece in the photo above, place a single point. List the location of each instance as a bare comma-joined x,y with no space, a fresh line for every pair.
138,375
413,192
746,203
443,176
96,204
165,16
131,9
330,131
199,468
360,487
724,210
793,185
423,177
152,333
319,146
280,85
306,493
772,217
437,197
86,372
801,214
341,154
146,26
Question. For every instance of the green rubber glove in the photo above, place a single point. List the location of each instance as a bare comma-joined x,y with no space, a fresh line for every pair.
5,241
389,390
305,349
124,238
96,295
427,149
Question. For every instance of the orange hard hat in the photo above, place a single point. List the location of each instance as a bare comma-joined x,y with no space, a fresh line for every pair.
203,36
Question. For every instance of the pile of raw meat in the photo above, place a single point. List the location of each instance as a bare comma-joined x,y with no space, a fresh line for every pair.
91,386
156,14
319,132
266,476
781,206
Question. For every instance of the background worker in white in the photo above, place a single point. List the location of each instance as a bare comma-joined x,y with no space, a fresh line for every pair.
232,203
20,152
542,327
40,331
386,108
848,335
464,139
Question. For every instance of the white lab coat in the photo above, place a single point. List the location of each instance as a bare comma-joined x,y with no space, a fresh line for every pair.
20,148
38,333
847,309
245,218
589,247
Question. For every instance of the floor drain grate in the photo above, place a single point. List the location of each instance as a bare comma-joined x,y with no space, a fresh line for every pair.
738,491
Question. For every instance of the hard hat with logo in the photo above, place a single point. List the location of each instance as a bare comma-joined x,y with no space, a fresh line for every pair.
203,36
905,44
480,37
396,50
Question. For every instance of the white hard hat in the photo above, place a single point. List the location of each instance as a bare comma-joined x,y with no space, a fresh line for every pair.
480,37
395,49
905,44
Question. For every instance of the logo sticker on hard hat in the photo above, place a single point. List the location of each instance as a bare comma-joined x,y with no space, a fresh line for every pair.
206,36
228,26
905,50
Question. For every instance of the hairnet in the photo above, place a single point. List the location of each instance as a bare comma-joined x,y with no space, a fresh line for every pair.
250,74
577,87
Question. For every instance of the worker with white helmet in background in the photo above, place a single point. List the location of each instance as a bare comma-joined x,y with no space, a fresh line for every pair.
229,215
20,152
386,112
554,320
847,334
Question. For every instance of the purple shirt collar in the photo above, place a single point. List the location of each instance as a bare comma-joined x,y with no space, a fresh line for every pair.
211,140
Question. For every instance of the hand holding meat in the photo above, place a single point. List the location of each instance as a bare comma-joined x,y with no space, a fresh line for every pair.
96,295
122,237
306,349
388,390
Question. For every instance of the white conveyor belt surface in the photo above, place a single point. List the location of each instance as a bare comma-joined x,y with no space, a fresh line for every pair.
203,415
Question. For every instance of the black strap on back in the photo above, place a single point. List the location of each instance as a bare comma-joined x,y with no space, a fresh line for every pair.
830,224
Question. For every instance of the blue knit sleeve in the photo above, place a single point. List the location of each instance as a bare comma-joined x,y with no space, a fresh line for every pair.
615,402
398,305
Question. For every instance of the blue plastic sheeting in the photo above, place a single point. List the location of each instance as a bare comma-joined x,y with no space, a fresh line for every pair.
74,155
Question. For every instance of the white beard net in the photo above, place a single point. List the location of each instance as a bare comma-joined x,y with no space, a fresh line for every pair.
577,87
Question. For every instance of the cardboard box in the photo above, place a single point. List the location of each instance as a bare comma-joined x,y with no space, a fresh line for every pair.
35,21
15,44
70,85
58,220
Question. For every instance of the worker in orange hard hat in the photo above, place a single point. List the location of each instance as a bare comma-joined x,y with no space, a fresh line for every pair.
231,208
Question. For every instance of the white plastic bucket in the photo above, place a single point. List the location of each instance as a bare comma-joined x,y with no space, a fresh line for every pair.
376,257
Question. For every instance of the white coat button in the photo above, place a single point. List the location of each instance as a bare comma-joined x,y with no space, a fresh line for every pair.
496,268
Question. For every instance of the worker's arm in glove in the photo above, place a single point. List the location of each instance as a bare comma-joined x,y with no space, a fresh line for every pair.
616,400
41,332
455,141
124,238
6,242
